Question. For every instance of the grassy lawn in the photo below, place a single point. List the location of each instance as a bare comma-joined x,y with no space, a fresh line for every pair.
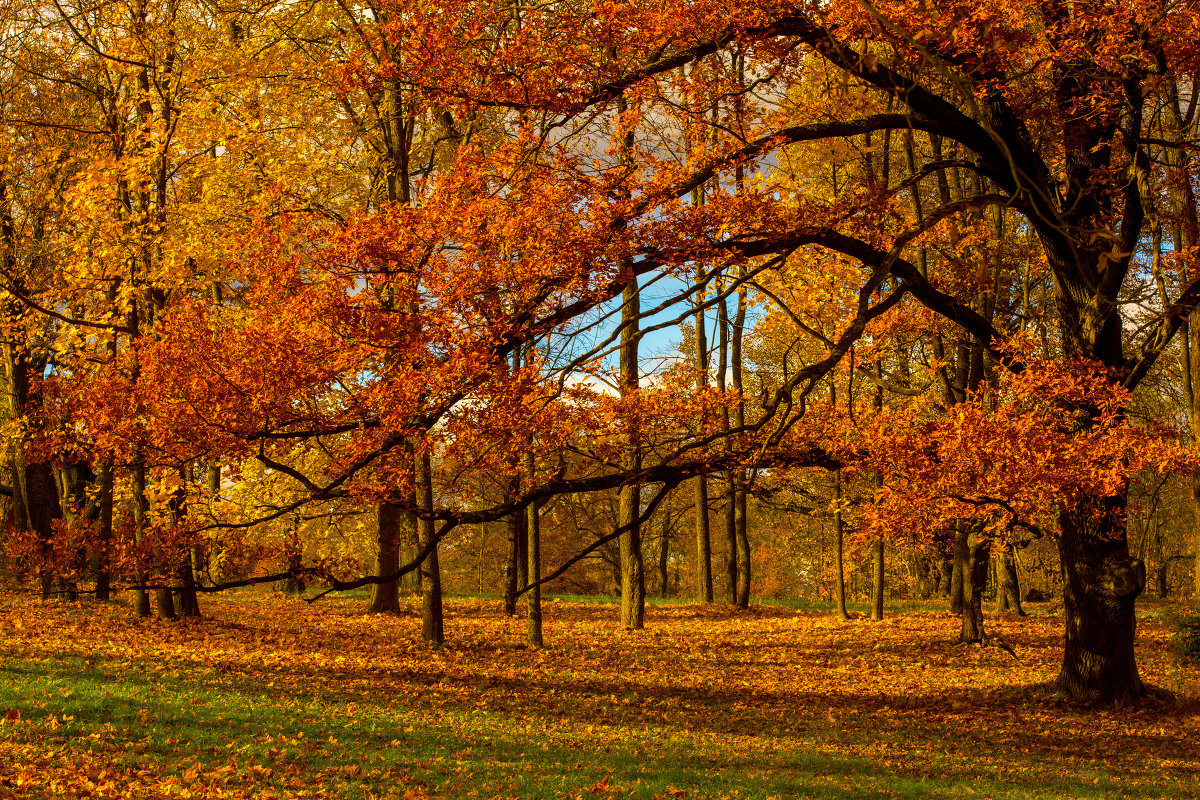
268,697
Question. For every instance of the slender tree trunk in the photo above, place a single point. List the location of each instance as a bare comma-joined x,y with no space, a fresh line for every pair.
839,531
704,583
141,597
743,543
514,523
104,534
432,624
533,597
878,576
633,577
1195,493
731,542
664,553
741,520
523,551
877,579
633,580
730,485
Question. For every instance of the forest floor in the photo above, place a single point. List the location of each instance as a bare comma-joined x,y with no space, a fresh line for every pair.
266,697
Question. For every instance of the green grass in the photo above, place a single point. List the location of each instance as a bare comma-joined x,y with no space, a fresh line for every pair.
278,698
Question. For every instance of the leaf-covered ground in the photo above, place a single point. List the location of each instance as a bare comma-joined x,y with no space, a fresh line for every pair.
273,698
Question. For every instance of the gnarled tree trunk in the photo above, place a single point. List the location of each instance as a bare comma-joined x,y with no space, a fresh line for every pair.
1008,587
974,581
1102,583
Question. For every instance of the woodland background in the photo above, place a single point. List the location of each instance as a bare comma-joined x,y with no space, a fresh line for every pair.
713,300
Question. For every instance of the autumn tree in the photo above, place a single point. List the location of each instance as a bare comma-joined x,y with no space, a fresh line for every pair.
390,331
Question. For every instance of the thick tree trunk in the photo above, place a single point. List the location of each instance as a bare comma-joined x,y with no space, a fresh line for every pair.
974,582
1102,583
1160,580
945,575
42,495
187,603
183,598
294,585
1008,587
633,579
959,567
704,580
164,603
385,597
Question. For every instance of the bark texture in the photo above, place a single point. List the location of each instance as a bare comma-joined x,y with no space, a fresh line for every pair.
1102,583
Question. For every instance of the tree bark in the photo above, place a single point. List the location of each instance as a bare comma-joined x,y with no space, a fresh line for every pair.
877,580
664,552
533,597
743,543
1008,586
104,534
187,603
704,584
184,598
1101,584
141,597
974,581
164,603
385,597
960,566
432,623
839,534
633,579
730,486
1195,486
513,524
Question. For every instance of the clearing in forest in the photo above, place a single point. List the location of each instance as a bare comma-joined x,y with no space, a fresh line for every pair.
272,698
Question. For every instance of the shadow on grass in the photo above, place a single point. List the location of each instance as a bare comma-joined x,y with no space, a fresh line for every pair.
534,730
